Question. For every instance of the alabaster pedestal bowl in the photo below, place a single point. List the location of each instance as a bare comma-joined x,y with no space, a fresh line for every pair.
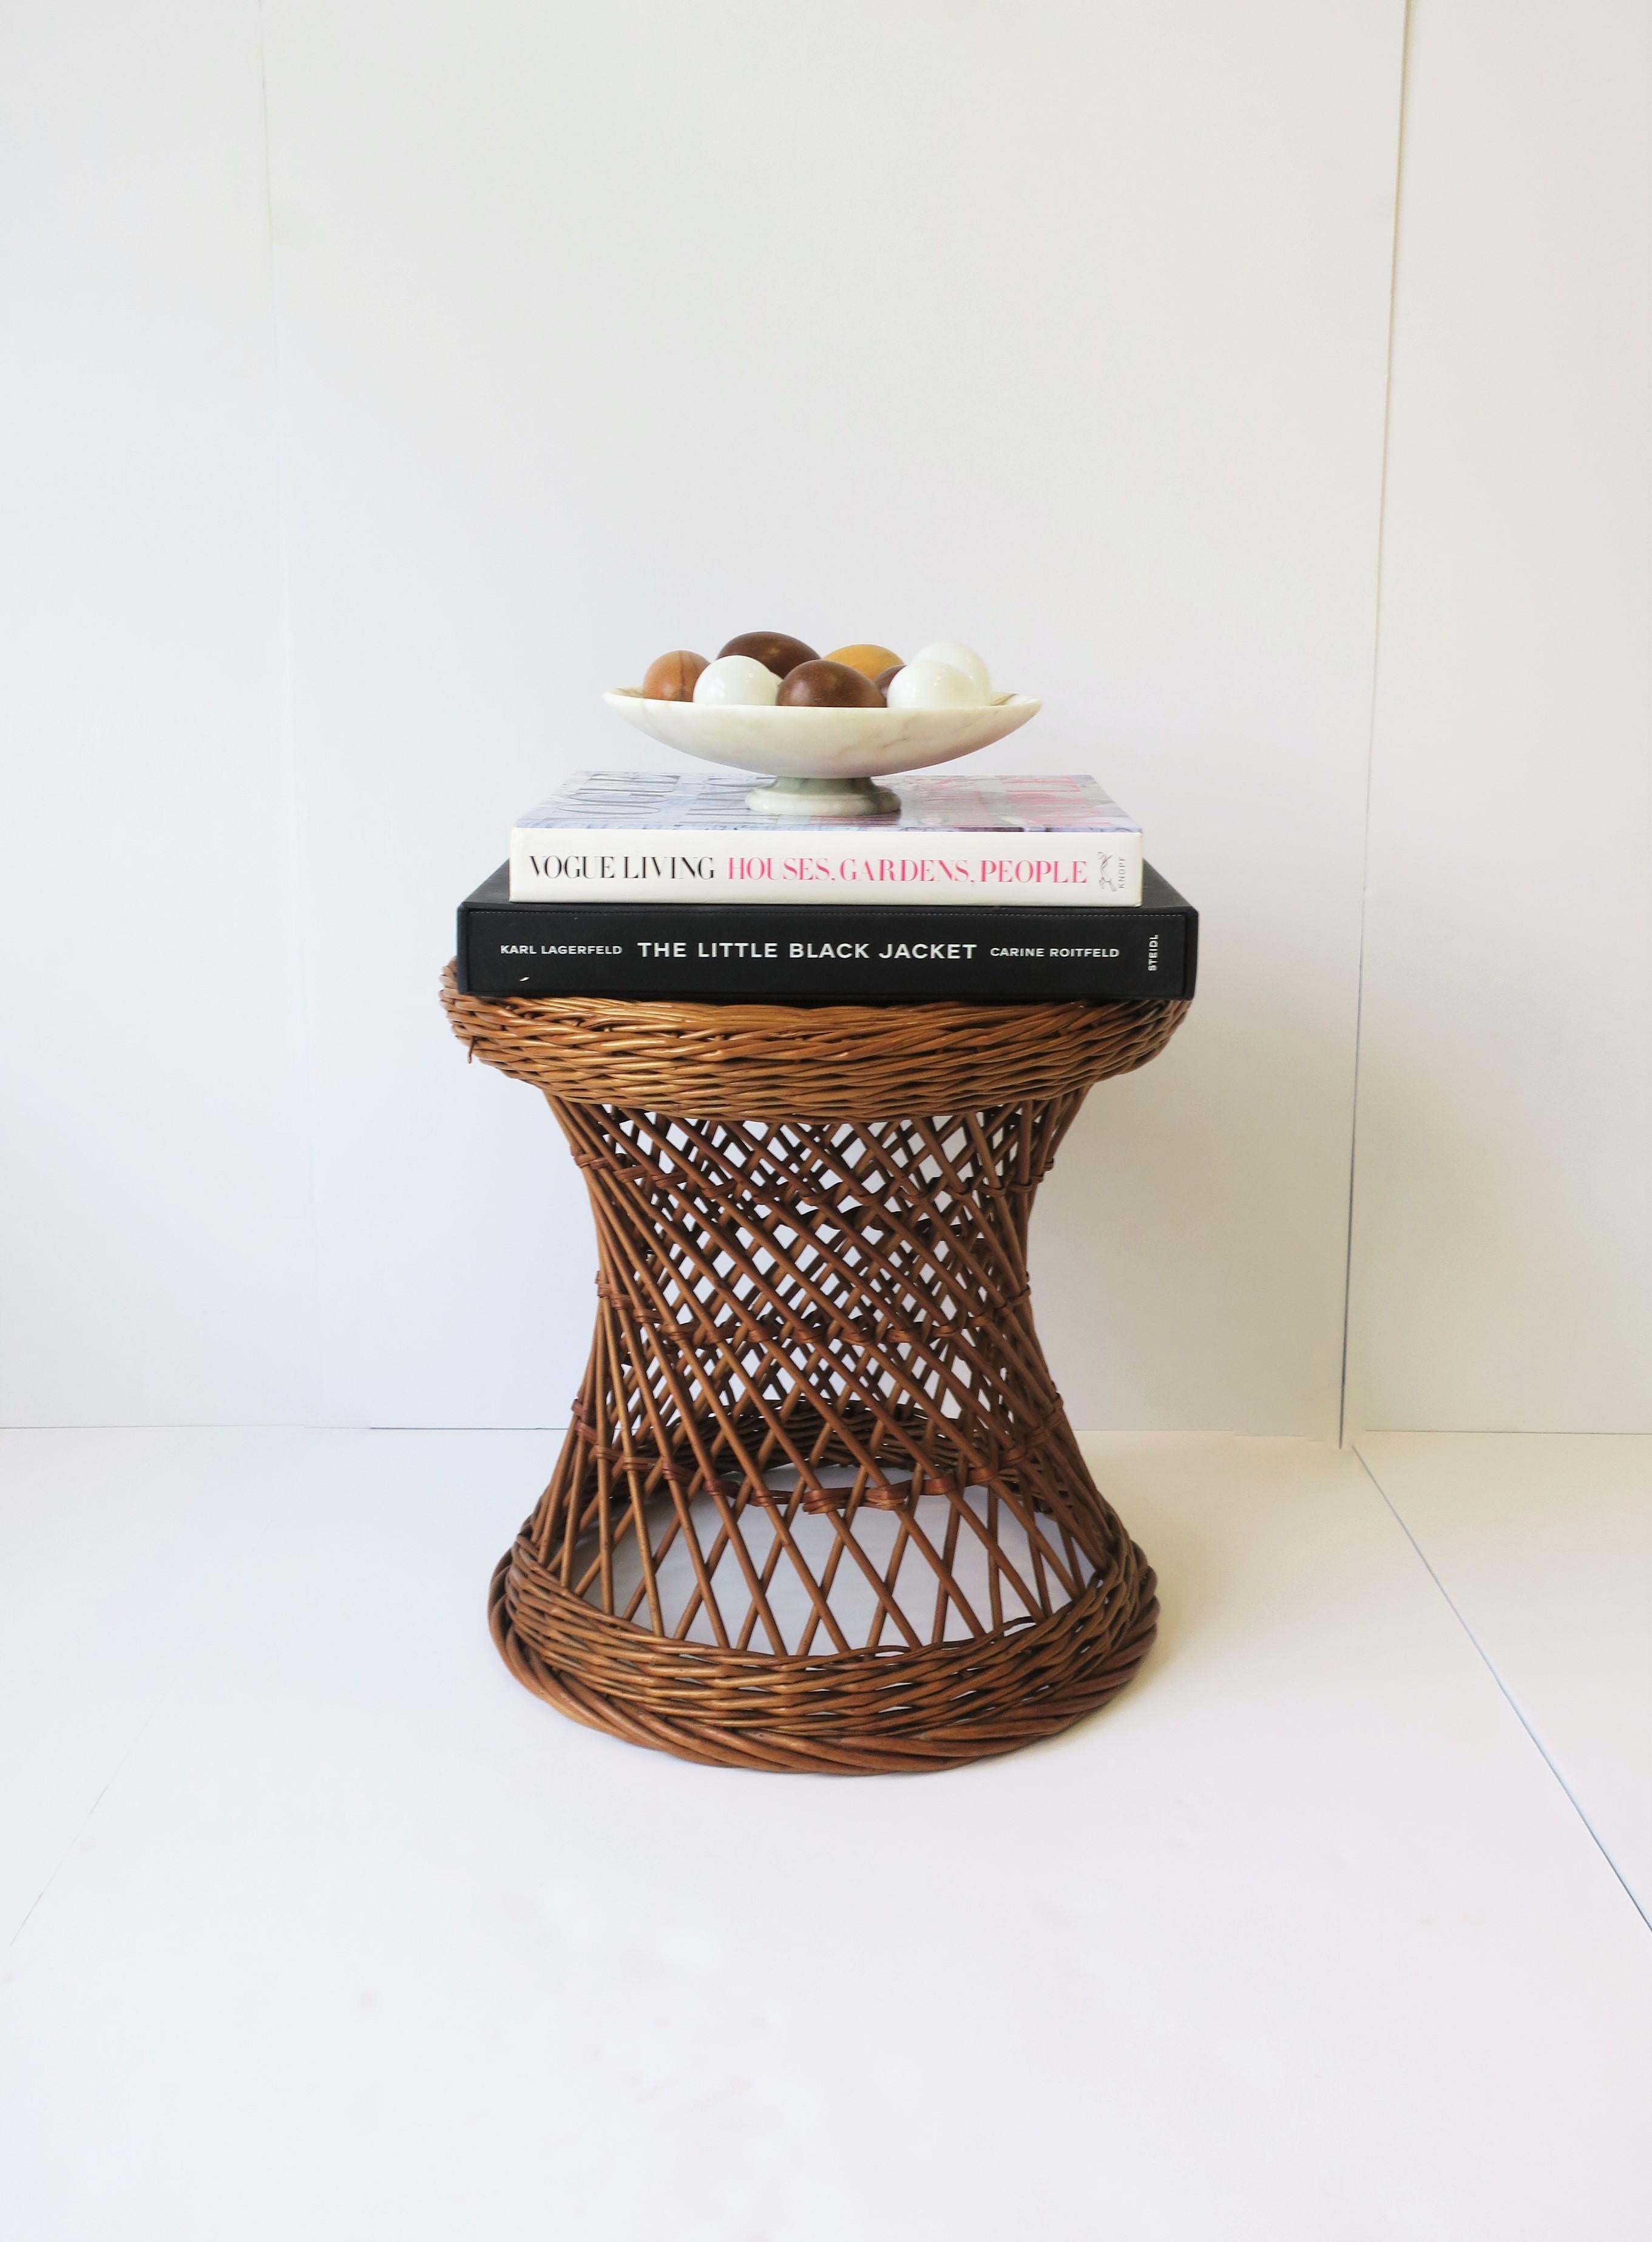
822,763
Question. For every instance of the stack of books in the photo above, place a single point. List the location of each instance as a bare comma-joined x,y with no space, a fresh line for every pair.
651,885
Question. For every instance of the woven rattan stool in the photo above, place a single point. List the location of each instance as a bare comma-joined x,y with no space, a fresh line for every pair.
820,1508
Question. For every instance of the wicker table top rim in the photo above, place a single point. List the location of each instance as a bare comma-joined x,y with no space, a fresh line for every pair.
825,1060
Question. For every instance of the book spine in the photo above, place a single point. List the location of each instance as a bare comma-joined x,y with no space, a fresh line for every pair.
745,952
853,865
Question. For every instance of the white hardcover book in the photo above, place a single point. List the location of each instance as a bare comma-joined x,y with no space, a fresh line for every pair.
660,837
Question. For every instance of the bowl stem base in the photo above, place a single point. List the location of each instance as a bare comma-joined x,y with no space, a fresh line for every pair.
821,801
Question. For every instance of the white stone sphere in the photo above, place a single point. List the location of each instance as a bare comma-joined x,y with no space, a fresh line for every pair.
934,685
736,680
957,656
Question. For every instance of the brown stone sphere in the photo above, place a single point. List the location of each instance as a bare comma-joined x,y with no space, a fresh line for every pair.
883,677
672,678
870,661
773,648
827,685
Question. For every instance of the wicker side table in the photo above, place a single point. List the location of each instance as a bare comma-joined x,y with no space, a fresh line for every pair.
819,1507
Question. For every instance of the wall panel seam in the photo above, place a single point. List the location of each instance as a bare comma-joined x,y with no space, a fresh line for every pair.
299,1024
1370,733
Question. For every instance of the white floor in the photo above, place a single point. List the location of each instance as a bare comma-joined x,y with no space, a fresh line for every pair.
319,1926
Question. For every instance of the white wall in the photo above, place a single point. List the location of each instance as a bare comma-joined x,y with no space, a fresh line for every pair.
1502,1264
1063,330
567,334
153,1170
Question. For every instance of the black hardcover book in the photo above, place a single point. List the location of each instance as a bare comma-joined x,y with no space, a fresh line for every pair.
841,953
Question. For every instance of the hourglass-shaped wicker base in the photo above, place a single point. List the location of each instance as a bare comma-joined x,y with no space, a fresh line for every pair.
820,1508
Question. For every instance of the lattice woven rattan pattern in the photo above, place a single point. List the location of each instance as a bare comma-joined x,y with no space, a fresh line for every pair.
819,1507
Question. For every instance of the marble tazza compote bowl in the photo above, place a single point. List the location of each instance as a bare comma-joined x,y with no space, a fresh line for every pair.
823,763
823,728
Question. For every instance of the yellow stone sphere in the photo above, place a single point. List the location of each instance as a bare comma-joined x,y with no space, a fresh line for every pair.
870,661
